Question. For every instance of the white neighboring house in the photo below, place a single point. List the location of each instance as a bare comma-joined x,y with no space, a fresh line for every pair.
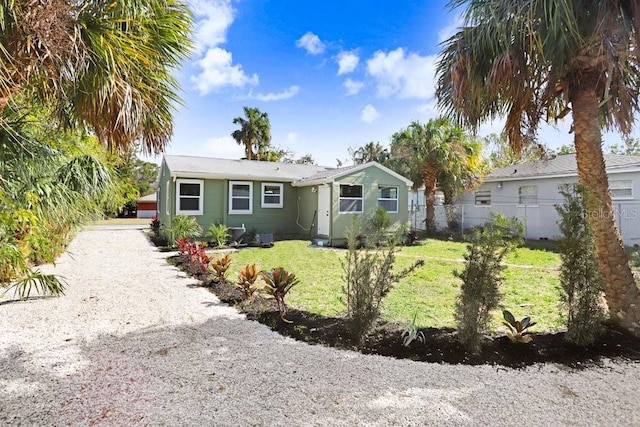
530,191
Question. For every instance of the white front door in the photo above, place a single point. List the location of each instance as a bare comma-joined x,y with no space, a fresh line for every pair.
324,210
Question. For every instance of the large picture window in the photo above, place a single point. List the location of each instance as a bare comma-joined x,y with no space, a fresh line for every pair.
388,198
351,200
189,196
528,195
271,195
240,197
621,189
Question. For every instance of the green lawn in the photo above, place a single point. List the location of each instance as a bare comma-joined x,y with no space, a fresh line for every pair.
531,285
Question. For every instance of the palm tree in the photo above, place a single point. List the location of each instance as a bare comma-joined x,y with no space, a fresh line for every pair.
254,133
107,65
422,153
370,152
544,59
463,173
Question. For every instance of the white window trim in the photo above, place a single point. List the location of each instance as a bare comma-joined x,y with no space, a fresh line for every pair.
390,198
630,187
351,198
200,197
237,212
167,199
280,204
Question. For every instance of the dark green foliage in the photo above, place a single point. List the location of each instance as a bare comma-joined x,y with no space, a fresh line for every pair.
219,233
368,278
482,276
517,328
184,226
580,277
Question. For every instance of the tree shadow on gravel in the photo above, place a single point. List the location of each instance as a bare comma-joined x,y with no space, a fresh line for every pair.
440,344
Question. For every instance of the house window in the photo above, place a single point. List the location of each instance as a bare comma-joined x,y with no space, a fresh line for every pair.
167,198
483,198
189,196
271,195
528,195
621,189
388,198
351,198
240,197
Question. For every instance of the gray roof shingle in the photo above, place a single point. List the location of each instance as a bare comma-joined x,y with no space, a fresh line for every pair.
564,165
240,169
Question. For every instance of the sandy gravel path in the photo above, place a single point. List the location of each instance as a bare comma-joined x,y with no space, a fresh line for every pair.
134,342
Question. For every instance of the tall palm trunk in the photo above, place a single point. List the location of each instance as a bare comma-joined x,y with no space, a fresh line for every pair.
622,294
429,179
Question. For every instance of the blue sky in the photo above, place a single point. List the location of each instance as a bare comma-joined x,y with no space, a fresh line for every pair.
330,74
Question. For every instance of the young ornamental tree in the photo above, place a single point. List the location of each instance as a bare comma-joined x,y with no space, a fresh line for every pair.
580,276
537,60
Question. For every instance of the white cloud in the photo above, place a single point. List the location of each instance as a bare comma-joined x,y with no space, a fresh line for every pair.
218,71
403,75
277,96
311,43
369,114
213,19
347,62
292,138
224,147
215,64
451,29
353,87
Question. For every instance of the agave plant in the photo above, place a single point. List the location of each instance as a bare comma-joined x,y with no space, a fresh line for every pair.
278,284
247,277
516,331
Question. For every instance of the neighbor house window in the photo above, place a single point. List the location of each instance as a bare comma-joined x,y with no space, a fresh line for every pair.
271,195
189,196
388,198
528,195
483,198
621,189
240,197
351,198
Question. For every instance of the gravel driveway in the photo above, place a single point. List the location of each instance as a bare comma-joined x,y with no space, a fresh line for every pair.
135,342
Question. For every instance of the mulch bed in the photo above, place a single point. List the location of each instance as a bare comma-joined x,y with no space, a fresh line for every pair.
440,344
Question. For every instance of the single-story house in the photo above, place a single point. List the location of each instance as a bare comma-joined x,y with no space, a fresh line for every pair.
530,191
287,200
147,206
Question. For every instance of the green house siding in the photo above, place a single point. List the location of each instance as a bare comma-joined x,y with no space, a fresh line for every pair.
370,178
298,216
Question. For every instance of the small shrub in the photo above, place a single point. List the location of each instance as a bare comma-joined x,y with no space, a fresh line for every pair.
482,276
580,277
184,226
155,225
220,267
247,277
410,333
219,233
516,328
376,227
278,283
368,278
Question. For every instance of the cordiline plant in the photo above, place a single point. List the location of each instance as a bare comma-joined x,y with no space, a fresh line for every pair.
220,267
517,329
247,277
278,283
